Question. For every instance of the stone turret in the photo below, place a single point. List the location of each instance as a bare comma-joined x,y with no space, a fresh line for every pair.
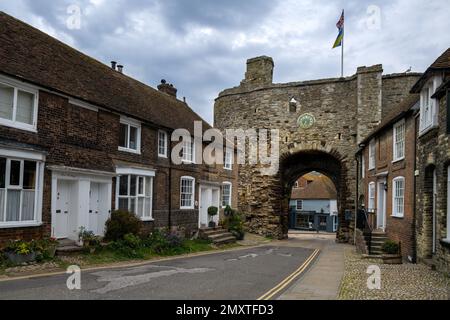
259,71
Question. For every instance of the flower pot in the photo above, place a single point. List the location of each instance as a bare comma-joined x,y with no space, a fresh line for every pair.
212,224
51,252
392,259
20,258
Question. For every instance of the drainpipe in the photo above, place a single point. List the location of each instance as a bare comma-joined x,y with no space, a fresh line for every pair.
414,224
357,198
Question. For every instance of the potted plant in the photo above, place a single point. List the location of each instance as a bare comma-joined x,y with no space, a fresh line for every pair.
88,239
227,211
212,212
391,252
20,252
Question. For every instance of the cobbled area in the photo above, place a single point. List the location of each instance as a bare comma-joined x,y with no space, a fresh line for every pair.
398,282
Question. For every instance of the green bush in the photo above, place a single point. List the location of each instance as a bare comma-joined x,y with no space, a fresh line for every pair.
120,224
234,223
20,247
228,211
213,211
163,242
391,247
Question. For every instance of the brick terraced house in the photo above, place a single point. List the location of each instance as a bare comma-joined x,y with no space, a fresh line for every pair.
433,165
79,139
387,159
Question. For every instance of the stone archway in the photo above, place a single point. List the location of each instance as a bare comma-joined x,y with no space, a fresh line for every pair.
330,164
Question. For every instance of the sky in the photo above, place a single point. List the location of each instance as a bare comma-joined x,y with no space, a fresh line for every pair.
201,46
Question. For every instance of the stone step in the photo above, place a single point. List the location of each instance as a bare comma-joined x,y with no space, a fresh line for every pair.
66,243
210,232
68,250
221,235
226,240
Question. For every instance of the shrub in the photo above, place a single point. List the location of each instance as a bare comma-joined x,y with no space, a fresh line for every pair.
132,241
391,247
20,247
163,242
235,224
228,211
120,224
213,211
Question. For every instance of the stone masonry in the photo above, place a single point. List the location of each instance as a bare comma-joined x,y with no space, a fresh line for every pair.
344,111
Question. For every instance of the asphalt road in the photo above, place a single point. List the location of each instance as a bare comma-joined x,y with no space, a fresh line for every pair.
237,275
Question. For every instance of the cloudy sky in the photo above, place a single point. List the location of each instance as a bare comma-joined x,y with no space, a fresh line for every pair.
201,45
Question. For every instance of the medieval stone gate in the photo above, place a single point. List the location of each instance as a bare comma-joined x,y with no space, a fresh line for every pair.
320,123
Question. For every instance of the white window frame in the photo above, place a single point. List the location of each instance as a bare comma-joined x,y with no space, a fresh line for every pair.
399,154
296,184
395,197
162,134
363,166
131,123
372,154
226,183
297,208
228,160
138,175
191,159
448,204
12,155
429,107
371,197
20,86
192,206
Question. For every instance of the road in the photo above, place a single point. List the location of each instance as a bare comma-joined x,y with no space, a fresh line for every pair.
235,275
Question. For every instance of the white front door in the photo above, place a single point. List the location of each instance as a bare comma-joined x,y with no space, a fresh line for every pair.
381,205
209,196
62,209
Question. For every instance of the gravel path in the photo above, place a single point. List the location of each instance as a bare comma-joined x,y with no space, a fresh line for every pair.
398,282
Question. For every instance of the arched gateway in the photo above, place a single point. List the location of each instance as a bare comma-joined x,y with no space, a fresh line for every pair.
320,124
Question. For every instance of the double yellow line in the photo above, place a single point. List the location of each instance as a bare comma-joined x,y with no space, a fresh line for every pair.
283,284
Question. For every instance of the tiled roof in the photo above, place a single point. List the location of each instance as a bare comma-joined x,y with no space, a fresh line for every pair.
441,63
321,187
29,54
394,115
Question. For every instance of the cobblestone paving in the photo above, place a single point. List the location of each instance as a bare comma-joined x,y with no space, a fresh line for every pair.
398,282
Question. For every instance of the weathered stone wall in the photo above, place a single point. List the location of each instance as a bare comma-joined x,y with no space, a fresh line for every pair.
345,110
433,153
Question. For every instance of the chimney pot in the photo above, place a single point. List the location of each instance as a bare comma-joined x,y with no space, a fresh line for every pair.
113,65
120,68
167,88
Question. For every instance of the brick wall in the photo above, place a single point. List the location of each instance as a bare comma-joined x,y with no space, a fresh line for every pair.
82,138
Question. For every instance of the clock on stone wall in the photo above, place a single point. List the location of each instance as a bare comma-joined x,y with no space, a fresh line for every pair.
306,121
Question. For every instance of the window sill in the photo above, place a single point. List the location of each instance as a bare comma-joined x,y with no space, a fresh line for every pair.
398,217
228,169
20,225
425,131
187,208
398,160
163,156
13,125
147,219
122,149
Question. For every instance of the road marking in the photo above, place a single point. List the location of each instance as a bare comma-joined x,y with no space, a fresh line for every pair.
283,284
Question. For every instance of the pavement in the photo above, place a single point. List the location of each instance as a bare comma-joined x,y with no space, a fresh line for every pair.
245,274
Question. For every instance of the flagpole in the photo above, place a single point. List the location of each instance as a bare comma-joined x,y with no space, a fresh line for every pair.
342,48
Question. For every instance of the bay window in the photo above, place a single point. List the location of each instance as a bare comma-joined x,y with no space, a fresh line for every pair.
187,193
226,194
398,194
18,106
429,108
135,195
399,140
129,136
20,191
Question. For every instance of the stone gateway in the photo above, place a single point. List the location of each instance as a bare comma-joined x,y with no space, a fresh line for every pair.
321,124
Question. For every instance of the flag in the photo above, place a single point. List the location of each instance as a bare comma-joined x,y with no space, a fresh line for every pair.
340,26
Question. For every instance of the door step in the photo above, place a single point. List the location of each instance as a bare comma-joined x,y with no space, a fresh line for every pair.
67,247
217,236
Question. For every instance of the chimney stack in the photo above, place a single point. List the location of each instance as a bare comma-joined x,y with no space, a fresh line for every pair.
167,88
113,65
120,68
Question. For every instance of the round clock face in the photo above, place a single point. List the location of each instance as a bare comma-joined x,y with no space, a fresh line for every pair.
306,121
